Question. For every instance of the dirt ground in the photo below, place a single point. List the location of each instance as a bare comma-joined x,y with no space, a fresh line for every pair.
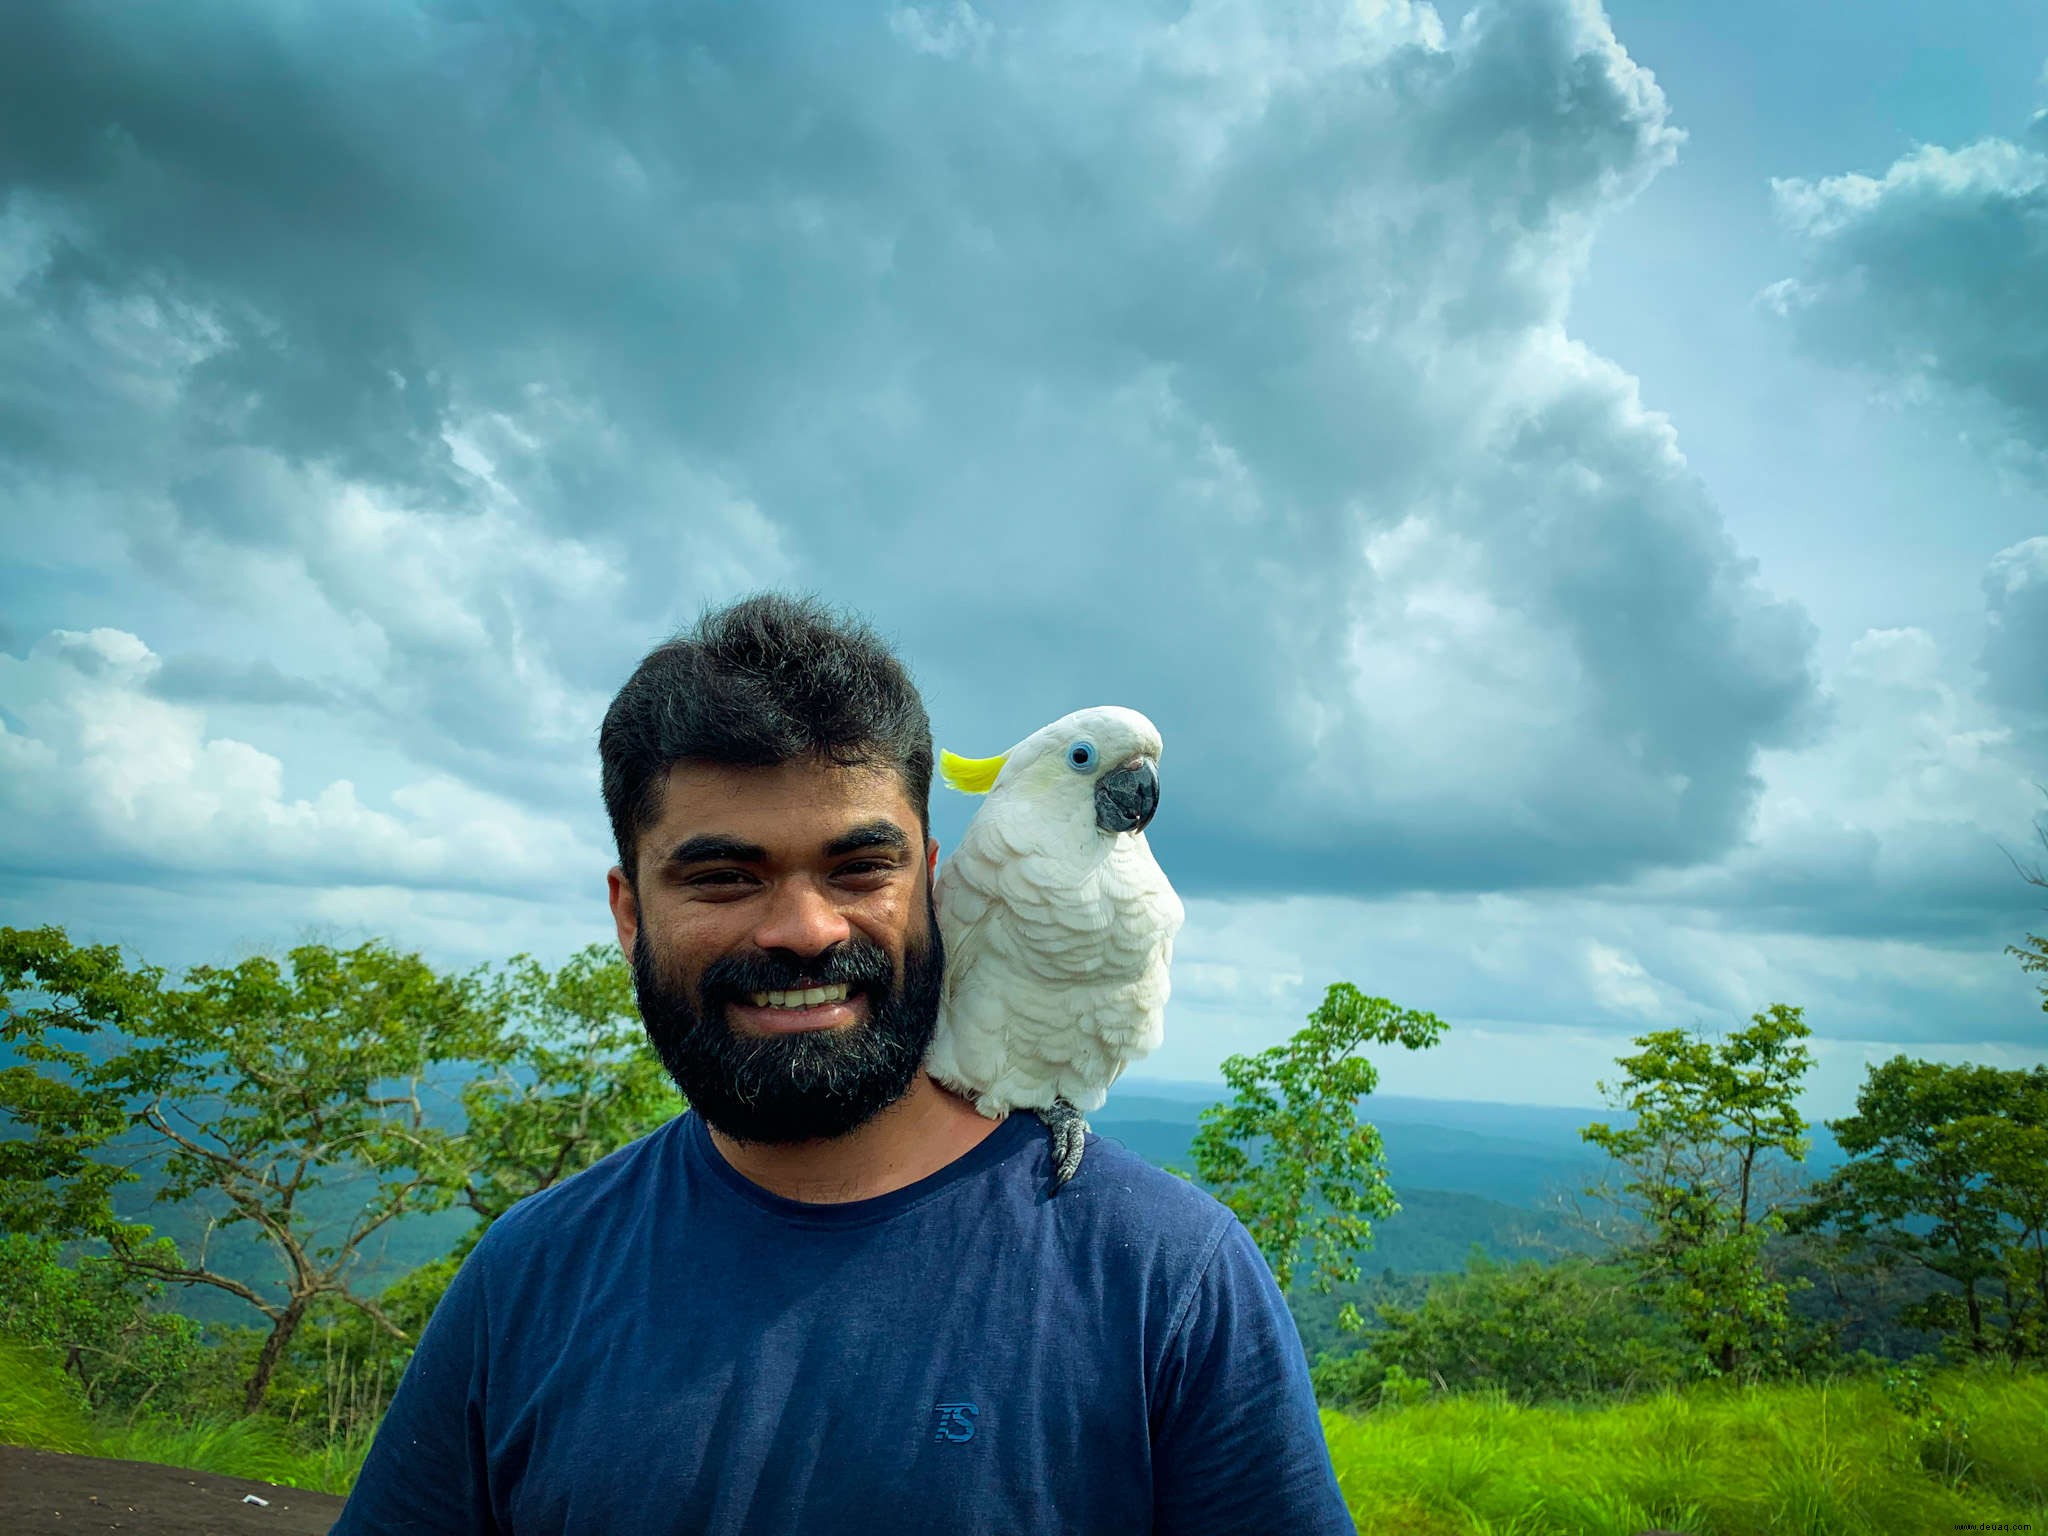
43,1493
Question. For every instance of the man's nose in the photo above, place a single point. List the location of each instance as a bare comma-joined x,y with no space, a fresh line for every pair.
802,919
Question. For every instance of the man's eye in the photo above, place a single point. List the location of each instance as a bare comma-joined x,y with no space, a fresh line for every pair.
719,877
865,867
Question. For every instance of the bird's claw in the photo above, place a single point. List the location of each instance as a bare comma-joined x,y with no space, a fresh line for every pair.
1069,1134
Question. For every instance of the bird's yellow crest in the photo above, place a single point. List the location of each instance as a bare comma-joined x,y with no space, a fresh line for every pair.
970,775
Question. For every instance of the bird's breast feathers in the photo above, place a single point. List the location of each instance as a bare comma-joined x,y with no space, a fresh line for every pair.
1121,915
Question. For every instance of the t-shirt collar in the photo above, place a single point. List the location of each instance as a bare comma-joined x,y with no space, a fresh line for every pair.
1011,1136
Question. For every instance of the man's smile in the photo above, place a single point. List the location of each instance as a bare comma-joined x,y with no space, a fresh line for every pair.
792,1012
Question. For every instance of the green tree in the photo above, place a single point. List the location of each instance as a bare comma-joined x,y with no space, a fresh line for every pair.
1297,1104
94,1316
244,1092
573,1081
1540,1332
1705,1118
2012,1149
2033,957
342,1367
577,1081
1962,1149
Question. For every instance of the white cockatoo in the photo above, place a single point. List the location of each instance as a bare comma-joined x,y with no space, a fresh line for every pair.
1058,924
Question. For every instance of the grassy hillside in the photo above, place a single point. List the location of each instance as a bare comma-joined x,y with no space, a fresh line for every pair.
41,1408
1834,1458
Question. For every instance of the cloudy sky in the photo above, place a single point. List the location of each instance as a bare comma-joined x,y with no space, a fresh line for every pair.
1571,486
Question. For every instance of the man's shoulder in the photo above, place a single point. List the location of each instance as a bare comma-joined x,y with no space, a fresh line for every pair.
1113,1172
1127,1229
1118,1193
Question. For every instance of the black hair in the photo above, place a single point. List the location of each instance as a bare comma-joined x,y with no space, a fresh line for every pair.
766,681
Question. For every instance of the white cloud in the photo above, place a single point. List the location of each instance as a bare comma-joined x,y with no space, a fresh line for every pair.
946,32
1892,822
1930,277
104,771
1619,984
1582,977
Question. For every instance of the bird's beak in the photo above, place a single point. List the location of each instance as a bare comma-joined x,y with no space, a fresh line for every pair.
1127,798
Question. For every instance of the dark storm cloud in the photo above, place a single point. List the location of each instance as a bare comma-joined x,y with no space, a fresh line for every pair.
1212,364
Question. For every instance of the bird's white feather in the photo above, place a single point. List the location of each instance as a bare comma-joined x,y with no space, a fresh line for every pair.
1059,936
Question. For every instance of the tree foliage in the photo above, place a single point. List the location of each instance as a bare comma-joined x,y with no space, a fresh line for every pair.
1706,1116
94,1316
1961,1150
575,1080
1537,1331
244,1092
1296,1104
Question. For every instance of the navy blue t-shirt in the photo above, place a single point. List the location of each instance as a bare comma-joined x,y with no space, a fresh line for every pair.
660,1345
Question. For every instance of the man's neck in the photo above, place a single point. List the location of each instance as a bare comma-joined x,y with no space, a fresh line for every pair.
912,1139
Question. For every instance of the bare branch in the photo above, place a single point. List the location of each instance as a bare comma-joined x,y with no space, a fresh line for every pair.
374,1313
176,1274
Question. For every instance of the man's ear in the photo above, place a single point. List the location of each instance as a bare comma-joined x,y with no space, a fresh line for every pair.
931,856
625,908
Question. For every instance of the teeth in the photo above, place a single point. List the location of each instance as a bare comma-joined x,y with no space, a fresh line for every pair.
808,998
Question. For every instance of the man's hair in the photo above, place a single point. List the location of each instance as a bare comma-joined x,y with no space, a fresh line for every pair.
766,681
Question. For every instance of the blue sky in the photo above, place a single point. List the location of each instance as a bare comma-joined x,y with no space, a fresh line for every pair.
1571,486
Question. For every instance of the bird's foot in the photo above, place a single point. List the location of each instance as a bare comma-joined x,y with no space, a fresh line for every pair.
1069,1134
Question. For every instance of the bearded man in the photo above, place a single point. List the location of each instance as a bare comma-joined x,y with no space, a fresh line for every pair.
832,1296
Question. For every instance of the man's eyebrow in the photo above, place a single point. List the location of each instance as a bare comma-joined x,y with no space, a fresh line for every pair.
708,846
879,833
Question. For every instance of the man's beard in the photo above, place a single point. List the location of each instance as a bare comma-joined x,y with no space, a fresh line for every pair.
811,1085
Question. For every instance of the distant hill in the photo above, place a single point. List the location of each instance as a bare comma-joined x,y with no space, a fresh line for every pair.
1514,1154
1464,1171
1456,1187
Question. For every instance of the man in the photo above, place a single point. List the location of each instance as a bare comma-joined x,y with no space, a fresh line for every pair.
831,1296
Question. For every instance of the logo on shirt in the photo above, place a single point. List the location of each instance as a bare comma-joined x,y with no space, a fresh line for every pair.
954,1421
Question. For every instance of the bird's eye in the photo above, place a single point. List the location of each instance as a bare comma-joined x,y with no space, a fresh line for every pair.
1081,756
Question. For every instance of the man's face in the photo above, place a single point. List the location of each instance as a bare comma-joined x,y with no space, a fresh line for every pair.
760,881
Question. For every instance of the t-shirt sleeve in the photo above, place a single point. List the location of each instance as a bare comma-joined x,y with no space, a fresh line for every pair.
425,1474
1239,1445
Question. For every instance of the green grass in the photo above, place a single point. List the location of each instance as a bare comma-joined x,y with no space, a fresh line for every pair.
252,1447
41,1408
1834,1458
38,1406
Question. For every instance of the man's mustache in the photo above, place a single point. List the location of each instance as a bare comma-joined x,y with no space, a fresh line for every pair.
732,977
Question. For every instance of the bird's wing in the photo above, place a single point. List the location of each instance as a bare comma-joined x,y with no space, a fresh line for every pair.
967,898
970,1046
